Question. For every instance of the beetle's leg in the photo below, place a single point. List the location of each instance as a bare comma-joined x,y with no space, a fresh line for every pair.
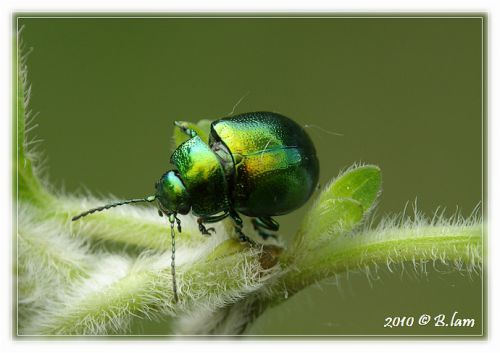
261,224
204,229
185,129
178,221
238,223
210,219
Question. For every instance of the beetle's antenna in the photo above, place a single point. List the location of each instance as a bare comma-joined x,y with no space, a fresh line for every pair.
238,103
172,219
322,129
105,207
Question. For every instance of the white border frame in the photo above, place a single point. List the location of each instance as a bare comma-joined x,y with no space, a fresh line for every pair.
7,7
229,16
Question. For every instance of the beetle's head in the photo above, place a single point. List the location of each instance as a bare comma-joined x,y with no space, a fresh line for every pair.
171,194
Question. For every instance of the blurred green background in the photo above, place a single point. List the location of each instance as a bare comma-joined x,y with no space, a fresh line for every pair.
405,93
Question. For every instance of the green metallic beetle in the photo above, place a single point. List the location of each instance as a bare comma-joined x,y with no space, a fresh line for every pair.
259,164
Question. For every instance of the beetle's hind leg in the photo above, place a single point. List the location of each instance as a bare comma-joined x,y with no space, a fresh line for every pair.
238,226
265,224
185,129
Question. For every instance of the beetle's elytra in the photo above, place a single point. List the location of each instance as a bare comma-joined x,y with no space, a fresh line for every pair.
259,164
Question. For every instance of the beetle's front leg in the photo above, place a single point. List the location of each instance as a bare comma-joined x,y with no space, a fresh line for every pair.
210,219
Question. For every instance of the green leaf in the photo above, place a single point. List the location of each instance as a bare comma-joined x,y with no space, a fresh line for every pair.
361,184
336,215
202,128
340,207
342,204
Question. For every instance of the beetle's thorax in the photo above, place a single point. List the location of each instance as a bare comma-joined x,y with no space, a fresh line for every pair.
203,176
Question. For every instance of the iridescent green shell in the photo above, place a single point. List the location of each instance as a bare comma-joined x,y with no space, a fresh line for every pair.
275,165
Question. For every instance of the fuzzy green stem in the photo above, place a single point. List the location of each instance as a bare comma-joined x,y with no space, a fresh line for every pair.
145,290
459,247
